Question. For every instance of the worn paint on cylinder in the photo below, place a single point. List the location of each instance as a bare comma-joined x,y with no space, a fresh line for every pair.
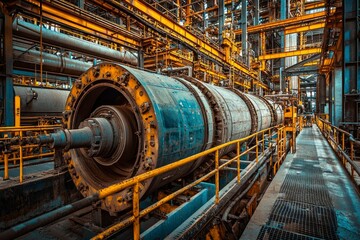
172,118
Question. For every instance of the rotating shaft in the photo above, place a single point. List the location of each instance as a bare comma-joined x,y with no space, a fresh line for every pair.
94,134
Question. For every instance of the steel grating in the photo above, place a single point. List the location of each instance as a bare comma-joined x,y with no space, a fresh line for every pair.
304,208
304,183
270,233
303,218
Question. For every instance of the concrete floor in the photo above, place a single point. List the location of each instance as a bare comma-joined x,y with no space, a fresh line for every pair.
321,196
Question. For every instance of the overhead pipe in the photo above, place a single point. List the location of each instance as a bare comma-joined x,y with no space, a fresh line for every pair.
32,31
189,70
27,58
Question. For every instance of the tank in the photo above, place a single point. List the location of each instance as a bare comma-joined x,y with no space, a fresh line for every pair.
36,101
122,122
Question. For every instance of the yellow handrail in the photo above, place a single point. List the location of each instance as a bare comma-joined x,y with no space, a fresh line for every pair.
19,131
135,182
337,138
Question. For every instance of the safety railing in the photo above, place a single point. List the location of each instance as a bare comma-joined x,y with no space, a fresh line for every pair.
261,138
343,144
18,151
281,148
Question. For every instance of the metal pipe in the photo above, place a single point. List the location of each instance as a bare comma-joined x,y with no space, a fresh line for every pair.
53,63
177,69
31,31
37,101
278,95
47,218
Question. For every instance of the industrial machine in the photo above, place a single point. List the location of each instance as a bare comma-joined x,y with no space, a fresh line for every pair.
121,122
40,104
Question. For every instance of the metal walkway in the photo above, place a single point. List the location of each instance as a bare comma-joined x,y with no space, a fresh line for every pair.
311,197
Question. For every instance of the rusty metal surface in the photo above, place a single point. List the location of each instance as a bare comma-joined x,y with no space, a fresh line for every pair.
123,122
262,110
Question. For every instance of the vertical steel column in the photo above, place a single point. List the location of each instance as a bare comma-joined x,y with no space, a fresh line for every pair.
256,22
187,12
221,19
81,4
141,59
351,59
337,96
7,81
256,12
205,22
283,15
244,33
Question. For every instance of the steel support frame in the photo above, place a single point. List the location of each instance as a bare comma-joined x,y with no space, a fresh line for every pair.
244,33
283,16
351,60
144,12
290,53
221,19
285,23
7,91
77,18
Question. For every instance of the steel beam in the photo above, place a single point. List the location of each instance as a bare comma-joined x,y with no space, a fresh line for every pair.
290,53
7,82
285,23
244,34
221,18
74,17
314,5
303,72
351,61
309,27
159,22
303,66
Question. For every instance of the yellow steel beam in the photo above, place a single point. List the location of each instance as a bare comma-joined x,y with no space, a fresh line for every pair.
210,72
74,18
261,84
313,63
172,28
298,29
314,5
247,86
290,53
284,23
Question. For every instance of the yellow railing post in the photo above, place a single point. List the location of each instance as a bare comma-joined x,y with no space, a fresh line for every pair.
6,166
263,142
279,149
343,147
17,111
21,160
137,214
238,161
217,176
352,156
257,148
284,141
136,211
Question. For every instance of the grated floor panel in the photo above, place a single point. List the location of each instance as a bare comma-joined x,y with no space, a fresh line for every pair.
269,233
304,209
311,197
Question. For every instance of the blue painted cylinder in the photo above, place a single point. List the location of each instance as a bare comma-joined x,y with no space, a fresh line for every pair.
161,120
